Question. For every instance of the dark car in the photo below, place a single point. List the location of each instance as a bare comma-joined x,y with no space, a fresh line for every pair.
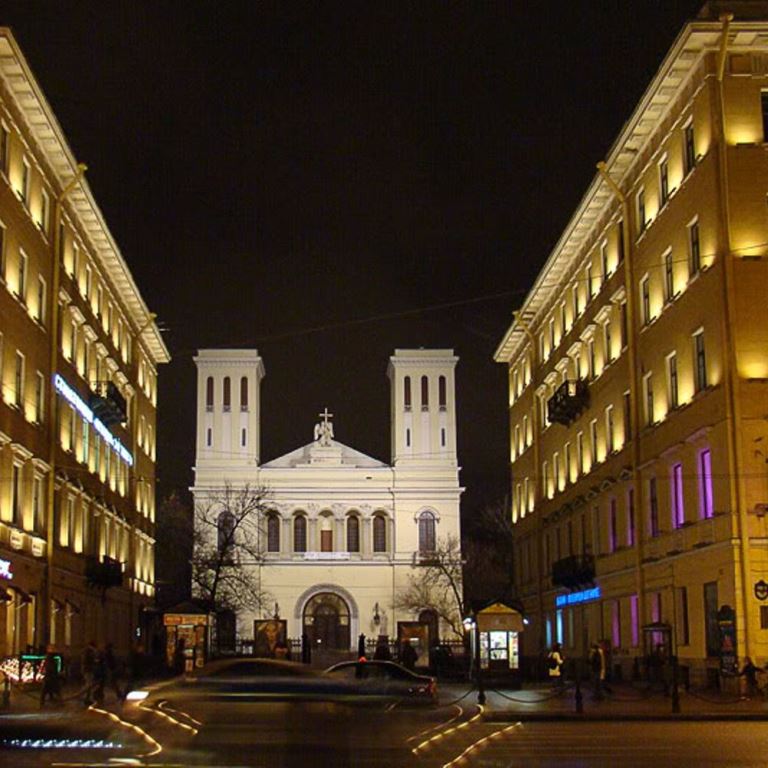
242,679
384,679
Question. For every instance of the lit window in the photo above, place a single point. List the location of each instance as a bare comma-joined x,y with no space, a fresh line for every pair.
642,222
694,248
25,181
678,509
669,276
664,181
700,361
689,148
610,443
19,380
427,532
648,392
706,497
672,388
645,299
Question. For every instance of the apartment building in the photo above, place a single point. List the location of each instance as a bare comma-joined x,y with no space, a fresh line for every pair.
79,352
638,376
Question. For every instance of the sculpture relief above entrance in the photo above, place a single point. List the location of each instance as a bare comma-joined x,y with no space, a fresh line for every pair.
326,622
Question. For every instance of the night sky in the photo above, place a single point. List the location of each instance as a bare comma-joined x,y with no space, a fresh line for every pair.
328,181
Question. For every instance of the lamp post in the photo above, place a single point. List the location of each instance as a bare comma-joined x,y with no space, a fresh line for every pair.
471,625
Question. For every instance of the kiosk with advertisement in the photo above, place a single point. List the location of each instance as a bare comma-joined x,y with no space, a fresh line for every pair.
499,628
187,637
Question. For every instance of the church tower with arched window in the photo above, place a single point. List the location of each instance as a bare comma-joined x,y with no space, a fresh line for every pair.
423,406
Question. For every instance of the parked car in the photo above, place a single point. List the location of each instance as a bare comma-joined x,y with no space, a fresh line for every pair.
384,679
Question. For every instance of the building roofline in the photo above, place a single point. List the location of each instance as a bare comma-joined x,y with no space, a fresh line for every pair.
51,143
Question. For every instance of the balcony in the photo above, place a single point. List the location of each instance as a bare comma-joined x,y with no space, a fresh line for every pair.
571,399
104,573
574,571
107,404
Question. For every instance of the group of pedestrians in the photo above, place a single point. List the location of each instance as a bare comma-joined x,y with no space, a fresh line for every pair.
101,671
597,669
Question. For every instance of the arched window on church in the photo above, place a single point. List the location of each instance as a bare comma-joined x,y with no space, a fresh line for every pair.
427,533
299,533
441,389
353,533
379,533
407,392
273,532
209,393
225,532
424,393
244,394
227,393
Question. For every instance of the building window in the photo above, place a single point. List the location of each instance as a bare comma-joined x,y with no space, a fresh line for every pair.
627,416
208,437
591,358
227,394
407,437
580,453
41,298
631,517
678,508
19,381
5,137
545,479
669,276
353,534
45,211
694,248
604,260
427,532
634,611
300,534
442,393
664,181
407,392
645,299
244,393
589,281
16,501
380,534
567,462
640,209
243,437
209,393
607,341
26,175
653,506
424,393
563,326
556,470
700,361
593,440
37,504
21,287
576,307
610,443
39,397
623,327
689,148
648,392
273,532
225,532
706,496
672,388
613,532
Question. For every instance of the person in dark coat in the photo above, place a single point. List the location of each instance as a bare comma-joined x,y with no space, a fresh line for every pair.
408,655
361,647
51,680
749,673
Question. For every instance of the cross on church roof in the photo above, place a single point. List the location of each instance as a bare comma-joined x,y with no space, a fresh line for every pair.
325,415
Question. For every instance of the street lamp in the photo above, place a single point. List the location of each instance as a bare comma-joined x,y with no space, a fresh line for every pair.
471,626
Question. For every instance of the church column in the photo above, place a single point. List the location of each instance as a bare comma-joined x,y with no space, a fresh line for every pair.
312,537
286,543
365,535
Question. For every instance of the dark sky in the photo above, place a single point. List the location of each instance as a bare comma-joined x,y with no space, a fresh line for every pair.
328,181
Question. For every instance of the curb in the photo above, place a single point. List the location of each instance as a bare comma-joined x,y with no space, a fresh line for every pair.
573,717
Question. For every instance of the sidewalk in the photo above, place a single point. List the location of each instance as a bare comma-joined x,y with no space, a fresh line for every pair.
538,702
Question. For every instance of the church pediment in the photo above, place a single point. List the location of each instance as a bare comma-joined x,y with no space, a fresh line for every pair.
328,454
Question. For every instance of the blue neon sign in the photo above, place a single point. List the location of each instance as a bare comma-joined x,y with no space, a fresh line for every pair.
575,598
77,402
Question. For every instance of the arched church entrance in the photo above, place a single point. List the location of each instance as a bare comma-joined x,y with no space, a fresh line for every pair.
326,622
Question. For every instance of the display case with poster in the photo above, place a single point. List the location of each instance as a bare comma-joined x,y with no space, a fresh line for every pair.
499,627
417,634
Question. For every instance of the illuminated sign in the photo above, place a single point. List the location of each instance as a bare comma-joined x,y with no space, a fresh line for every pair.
574,598
5,569
77,402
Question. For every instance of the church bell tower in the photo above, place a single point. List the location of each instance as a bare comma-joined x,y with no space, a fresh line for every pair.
423,407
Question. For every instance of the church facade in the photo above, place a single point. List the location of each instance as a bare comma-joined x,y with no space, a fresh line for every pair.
342,531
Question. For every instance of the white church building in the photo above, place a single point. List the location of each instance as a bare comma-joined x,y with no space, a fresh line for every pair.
342,529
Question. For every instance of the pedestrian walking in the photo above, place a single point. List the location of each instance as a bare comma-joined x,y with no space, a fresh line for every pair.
597,670
408,655
749,673
555,662
87,666
113,671
51,679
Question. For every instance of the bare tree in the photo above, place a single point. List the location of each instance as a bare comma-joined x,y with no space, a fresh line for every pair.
437,584
229,540
173,550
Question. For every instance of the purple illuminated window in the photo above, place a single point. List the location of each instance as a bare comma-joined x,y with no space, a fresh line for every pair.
678,508
615,624
706,502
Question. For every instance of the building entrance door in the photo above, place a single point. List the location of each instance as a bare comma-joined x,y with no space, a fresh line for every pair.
326,622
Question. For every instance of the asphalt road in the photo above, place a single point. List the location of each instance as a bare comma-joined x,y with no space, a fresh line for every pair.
283,734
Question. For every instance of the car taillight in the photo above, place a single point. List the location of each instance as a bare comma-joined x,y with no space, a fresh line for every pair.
432,688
